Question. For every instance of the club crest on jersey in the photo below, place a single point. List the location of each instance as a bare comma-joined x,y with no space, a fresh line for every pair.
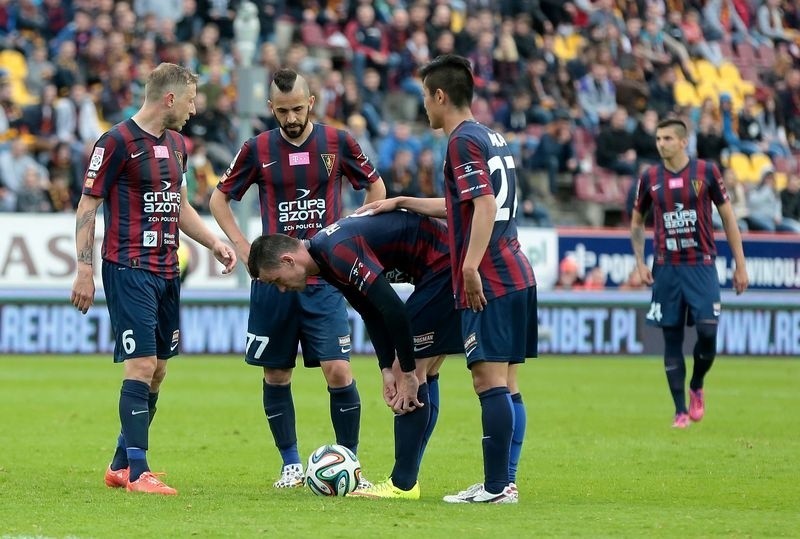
697,185
179,157
328,159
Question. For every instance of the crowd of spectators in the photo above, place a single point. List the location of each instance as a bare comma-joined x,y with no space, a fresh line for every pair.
575,87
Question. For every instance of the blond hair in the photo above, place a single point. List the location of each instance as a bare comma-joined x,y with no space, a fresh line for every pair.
168,78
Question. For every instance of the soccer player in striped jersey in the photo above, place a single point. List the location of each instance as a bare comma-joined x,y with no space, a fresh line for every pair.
358,254
299,170
493,281
680,192
137,169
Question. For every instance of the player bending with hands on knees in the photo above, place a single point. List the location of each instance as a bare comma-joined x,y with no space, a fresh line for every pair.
356,254
299,170
680,191
137,169
493,281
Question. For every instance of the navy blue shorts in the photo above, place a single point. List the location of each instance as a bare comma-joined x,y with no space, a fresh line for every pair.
506,330
144,310
315,318
684,295
435,322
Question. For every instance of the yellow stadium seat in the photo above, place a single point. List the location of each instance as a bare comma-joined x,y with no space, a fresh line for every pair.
685,94
740,164
706,71
707,90
14,62
759,162
729,72
781,179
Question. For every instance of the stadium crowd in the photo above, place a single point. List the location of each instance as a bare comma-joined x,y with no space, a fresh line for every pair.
576,87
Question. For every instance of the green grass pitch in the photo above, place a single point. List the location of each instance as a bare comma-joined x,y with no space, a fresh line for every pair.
600,458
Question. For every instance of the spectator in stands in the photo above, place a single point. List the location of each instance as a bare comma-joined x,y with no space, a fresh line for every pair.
644,139
14,163
596,96
31,193
400,176
62,164
764,204
700,44
710,143
595,279
729,130
749,128
40,120
770,23
615,146
40,70
8,199
772,127
369,42
662,91
790,200
568,278
554,161
399,138
738,197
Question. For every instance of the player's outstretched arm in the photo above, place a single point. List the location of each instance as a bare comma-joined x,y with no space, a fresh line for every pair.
83,286
637,243
740,279
432,207
220,206
193,226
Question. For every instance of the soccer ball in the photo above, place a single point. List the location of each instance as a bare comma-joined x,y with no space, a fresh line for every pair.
333,470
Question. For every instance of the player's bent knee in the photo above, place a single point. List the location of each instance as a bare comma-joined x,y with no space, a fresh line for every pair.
337,373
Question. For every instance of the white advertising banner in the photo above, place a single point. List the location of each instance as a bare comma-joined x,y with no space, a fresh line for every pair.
38,251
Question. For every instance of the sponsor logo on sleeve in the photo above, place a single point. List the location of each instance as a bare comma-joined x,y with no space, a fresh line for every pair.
97,158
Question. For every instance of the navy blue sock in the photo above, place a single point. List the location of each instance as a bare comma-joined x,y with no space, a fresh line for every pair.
497,417
433,397
675,366
152,399
135,418
120,459
409,430
520,422
705,350
279,408
346,415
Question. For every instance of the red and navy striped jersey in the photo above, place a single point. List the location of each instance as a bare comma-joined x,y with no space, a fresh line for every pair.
479,163
355,250
299,187
683,232
139,177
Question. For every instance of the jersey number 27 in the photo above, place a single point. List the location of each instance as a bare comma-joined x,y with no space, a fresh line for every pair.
506,209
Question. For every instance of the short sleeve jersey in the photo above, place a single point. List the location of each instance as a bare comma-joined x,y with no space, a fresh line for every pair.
683,231
299,187
478,163
139,177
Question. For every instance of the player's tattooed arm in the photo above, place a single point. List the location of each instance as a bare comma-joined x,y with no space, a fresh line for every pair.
84,228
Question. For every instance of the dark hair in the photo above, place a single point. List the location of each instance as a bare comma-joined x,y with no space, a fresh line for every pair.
266,251
285,79
677,123
453,75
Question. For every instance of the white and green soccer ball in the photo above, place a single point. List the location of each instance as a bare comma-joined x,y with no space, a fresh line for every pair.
333,470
